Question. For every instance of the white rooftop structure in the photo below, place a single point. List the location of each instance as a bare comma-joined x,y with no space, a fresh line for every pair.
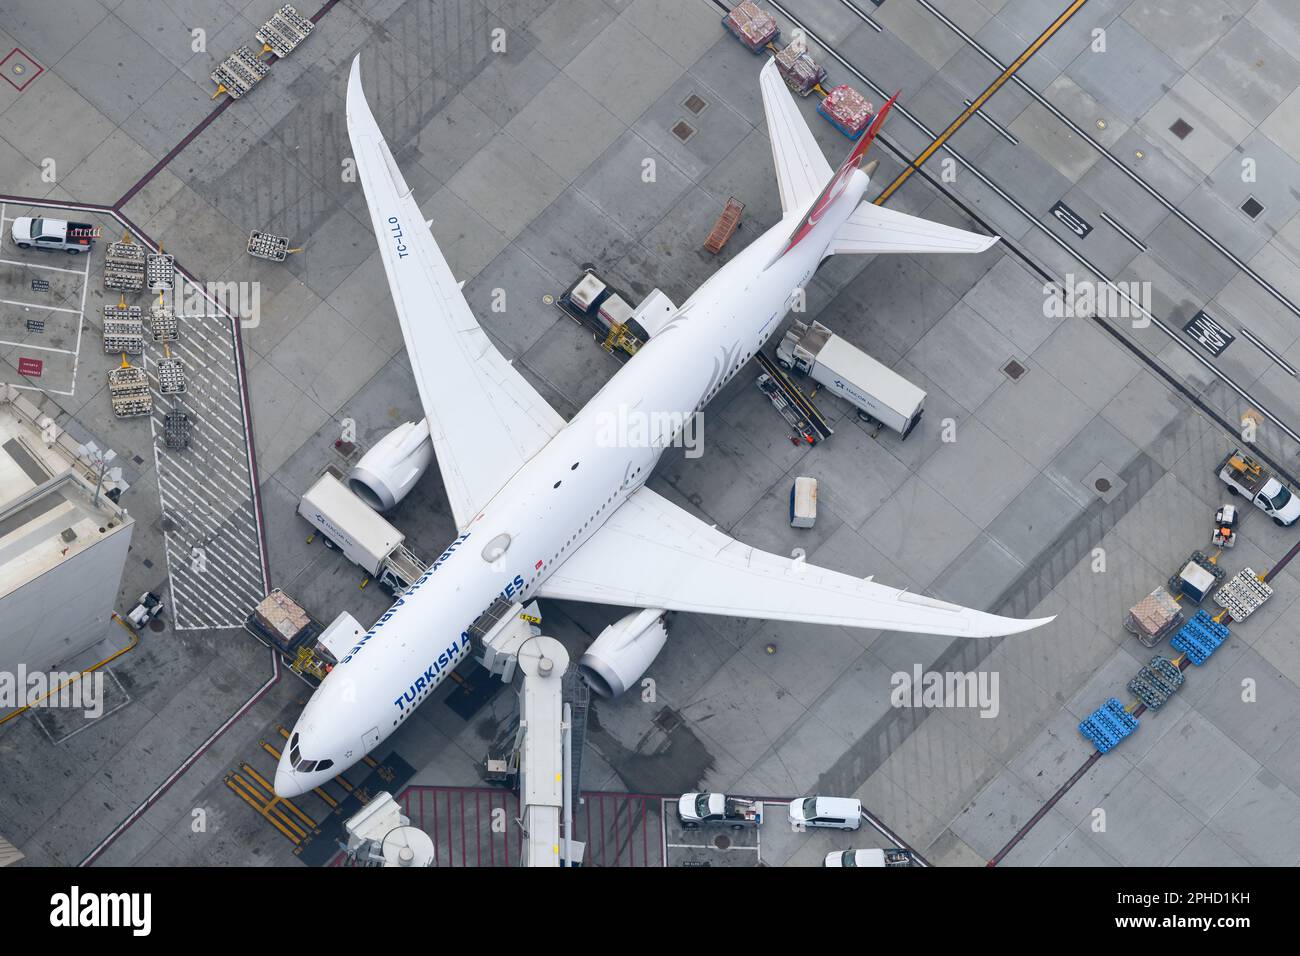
61,551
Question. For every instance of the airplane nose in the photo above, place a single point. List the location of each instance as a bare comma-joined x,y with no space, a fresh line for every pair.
287,783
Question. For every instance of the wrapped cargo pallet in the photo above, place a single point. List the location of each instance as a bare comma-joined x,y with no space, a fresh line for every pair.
1154,617
751,26
848,110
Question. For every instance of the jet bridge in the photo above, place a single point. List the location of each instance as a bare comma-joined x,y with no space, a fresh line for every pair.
512,646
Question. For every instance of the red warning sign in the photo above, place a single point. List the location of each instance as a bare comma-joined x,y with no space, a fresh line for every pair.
30,367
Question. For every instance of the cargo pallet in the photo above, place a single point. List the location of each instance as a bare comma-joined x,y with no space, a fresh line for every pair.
800,72
1106,726
1243,594
239,73
164,323
751,26
1200,637
263,245
124,267
123,330
160,272
1156,682
128,392
847,110
284,31
171,376
176,429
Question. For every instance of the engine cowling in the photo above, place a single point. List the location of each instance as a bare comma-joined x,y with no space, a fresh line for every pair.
388,471
623,652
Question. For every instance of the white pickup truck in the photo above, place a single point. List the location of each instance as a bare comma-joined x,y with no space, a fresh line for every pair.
52,235
697,809
1245,476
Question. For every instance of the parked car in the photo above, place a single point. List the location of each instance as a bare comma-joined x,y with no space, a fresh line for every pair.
836,813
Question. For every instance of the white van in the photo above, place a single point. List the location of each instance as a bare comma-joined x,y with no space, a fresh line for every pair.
836,813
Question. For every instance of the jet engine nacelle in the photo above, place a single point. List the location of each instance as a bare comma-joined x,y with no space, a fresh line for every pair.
617,659
387,473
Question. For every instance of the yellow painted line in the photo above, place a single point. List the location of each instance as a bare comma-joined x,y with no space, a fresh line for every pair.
277,800
135,639
236,784
980,100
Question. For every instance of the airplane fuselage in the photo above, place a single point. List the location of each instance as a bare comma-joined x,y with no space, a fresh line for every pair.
557,500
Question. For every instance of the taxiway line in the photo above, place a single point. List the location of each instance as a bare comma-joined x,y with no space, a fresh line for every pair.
980,100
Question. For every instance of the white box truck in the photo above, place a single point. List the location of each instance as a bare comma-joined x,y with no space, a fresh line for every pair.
349,525
879,393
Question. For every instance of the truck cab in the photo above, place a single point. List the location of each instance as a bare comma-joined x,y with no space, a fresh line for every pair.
52,235
1246,477
697,809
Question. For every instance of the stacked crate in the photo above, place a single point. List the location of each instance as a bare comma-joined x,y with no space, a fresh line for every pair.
1200,637
1153,617
751,26
1106,726
128,392
124,267
1156,682
123,330
848,110
800,72
160,272
1243,594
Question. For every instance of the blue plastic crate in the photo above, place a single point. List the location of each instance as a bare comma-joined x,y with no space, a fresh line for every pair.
1200,637
1108,725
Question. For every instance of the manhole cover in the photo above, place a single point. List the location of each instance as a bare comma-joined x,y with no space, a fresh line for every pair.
1102,485
683,130
156,625
1103,482
345,448
1252,207
668,720
1014,370
722,841
1181,128
695,103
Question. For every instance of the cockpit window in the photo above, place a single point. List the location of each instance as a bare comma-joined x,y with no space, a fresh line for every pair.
324,765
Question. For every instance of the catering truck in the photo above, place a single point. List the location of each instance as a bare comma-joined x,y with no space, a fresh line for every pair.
349,525
1245,476
879,393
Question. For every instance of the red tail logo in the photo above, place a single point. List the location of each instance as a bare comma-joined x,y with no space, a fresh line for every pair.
836,186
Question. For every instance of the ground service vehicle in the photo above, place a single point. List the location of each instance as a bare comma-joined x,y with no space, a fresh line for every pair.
835,813
349,525
52,235
697,809
1245,476
880,393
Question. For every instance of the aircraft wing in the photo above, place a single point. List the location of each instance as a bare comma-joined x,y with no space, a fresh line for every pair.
871,229
651,553
801,167
485,419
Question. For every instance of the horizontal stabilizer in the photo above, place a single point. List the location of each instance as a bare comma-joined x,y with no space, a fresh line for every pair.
871,229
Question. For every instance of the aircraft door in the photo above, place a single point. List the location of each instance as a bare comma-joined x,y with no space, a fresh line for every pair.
370,740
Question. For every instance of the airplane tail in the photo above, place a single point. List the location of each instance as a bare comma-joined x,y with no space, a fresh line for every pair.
800,167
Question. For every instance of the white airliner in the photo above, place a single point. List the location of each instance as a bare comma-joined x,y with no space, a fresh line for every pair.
550,509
